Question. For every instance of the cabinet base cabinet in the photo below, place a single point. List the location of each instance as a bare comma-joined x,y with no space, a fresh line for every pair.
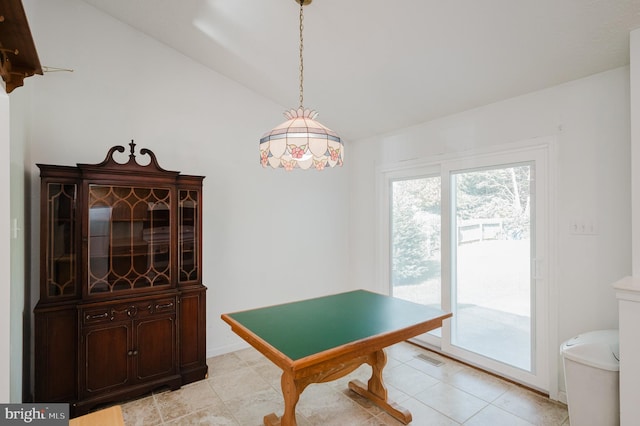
127,348
104,352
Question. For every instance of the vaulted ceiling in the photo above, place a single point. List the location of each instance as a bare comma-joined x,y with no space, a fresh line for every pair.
374,66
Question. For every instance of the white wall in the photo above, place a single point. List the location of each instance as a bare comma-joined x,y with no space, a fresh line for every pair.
634,46
590,120
269,236
5,276
19,273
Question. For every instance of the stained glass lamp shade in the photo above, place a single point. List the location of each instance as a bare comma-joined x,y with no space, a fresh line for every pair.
301,142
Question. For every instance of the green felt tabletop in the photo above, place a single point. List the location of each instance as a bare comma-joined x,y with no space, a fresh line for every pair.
304,328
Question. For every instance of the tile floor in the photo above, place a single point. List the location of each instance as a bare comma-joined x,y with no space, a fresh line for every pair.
244,386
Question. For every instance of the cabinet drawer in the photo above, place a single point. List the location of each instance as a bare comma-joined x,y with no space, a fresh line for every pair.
127,310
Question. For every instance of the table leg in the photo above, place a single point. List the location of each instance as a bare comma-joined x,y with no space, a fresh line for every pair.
291,393
376,391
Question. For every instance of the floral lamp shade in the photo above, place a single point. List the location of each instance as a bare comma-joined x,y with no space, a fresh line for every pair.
301,142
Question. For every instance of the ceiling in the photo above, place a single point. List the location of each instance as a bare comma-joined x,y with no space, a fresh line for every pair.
374,66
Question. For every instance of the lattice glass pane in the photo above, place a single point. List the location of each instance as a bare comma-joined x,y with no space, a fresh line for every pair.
61,250
188,256
129,238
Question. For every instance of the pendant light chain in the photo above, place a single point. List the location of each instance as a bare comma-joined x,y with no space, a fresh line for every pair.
301,142
301,60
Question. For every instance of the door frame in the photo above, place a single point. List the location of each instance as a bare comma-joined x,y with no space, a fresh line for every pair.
434,165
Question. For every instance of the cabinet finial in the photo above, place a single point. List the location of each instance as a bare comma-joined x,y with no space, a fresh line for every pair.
132,164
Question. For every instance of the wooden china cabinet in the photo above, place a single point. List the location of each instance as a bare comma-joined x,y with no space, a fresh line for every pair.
122,305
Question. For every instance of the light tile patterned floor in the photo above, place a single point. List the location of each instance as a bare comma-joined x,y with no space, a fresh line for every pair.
244,386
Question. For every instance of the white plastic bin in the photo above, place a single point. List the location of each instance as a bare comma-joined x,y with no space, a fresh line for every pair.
592,377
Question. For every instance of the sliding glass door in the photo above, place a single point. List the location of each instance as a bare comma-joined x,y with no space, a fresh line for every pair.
491,283
468,235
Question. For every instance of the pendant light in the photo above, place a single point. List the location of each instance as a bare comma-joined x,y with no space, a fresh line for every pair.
301,141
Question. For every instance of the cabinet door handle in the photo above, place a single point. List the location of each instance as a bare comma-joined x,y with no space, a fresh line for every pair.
164,306
97,316
132,353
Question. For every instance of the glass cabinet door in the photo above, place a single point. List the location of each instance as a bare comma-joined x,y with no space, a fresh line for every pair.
61,240
129,238
188,234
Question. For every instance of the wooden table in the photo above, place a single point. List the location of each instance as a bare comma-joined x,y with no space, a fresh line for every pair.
111,416
323,339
